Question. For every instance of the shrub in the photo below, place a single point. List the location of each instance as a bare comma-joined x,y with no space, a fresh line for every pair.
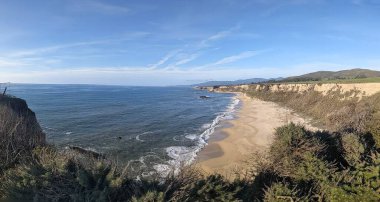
306,172
281,192
150,196
19,132
55,176
212,188
353,148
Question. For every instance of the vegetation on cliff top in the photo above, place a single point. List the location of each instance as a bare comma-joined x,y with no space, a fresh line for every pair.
335,112
339,164
19,131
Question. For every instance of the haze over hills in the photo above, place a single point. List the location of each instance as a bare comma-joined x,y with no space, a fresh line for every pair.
236,82
314,76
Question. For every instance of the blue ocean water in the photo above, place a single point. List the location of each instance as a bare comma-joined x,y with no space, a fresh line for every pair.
145,128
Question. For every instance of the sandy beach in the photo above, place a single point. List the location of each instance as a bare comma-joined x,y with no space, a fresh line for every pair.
252,131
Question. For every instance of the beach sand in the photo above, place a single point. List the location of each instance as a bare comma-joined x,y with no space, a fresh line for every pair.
252,131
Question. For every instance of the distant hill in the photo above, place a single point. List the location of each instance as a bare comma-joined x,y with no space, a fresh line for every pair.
236,82
314,76
330,75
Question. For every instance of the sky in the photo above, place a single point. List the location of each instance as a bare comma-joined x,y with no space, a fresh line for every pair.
176,42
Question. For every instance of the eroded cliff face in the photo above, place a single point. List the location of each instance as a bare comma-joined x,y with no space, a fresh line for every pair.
350,90
19,129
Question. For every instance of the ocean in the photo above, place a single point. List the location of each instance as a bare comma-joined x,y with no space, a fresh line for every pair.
148,129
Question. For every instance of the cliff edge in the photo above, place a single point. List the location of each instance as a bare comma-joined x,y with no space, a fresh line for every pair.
20,131
349,90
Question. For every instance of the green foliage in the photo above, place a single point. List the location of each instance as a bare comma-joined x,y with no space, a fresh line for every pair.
150,196
65,176
54,176
361,183
301,165
344,113
281,192
213,188
373,125
353,148
296,151
299,158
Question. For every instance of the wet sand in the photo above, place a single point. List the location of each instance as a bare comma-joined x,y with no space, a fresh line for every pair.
252,131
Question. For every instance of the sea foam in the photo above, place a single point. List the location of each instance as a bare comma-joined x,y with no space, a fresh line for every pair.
183,156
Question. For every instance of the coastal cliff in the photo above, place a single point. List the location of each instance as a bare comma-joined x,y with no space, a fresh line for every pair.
353,107
348,90
19,129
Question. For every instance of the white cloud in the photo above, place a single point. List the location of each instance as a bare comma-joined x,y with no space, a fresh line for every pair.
39,51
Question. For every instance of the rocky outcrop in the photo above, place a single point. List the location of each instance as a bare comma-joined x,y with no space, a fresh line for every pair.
19,129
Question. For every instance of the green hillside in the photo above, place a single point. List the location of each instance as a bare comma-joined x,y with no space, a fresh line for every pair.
352,75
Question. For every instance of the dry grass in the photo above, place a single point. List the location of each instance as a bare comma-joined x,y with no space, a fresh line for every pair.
19,133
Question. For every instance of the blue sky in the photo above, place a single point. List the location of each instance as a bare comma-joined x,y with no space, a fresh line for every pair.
150,42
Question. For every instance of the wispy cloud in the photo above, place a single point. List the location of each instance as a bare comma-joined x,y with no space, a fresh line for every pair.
12,63
4,63
230,59
38,51
100,7
189,52
187,59
172,62
218,36
130,75
45,57
235,58
164,59
54,48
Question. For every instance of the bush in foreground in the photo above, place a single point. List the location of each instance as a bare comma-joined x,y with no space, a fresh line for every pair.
298,168
305,171
68,176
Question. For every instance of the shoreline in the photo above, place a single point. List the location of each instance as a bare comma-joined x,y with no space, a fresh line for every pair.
251,131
